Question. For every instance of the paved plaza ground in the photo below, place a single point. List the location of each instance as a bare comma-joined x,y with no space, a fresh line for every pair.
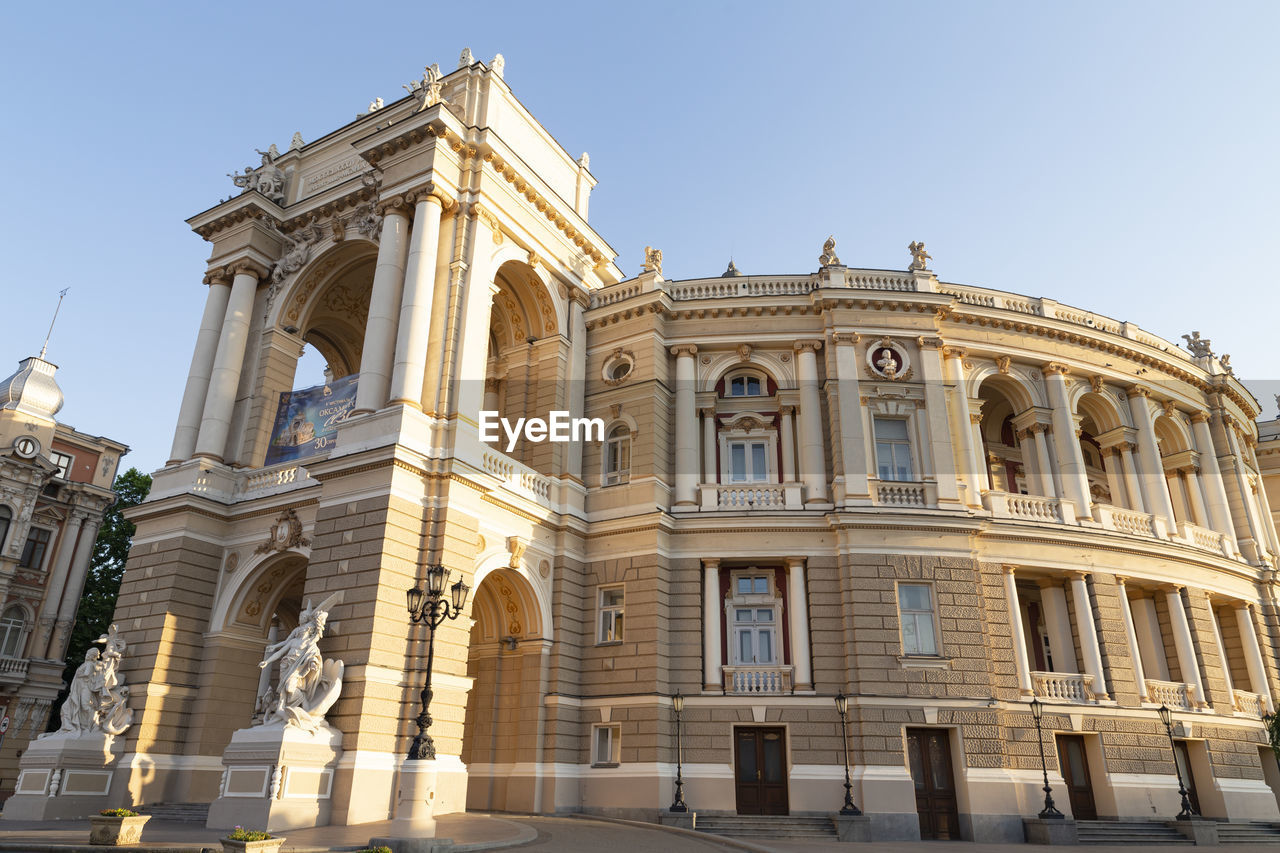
489,832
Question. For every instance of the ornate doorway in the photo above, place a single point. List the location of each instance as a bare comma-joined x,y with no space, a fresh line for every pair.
760,762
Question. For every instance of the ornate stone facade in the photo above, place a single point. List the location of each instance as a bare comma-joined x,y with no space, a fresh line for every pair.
939,500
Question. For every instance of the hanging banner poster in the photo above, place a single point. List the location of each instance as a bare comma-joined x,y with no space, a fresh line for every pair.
307,419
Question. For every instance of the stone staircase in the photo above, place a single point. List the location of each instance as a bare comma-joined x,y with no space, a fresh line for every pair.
185,812
1128,832
1249,833
767,826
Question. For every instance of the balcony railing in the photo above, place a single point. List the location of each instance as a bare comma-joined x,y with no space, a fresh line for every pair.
1063,686
1248,703
1029,508
1202,537
1175,694
1128,521
744,496
757,680
13,670
902,494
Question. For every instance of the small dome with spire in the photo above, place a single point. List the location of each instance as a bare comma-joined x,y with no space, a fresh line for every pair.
32,390
732,271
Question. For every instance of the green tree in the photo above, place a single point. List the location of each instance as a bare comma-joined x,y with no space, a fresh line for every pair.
106,568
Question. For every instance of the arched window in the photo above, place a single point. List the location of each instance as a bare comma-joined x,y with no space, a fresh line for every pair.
6,516
617,455
745,385
13,632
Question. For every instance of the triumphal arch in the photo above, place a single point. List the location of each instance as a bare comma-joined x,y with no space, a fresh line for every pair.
436,252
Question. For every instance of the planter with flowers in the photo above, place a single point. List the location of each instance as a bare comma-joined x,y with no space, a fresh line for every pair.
241,840
115,827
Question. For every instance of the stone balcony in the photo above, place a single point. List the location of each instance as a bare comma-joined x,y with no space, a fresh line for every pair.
912,495
1017,507
769,680
13,671
1063,687
750,496
1175,694
1249,704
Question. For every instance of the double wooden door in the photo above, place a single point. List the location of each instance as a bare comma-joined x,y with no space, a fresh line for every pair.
760,770
929,754
1075,774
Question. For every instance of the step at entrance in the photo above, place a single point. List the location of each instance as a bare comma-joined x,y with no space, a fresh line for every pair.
1249,833
186,812
1128,832
767,826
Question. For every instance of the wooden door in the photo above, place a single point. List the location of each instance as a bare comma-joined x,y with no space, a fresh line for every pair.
1183,757
1074,765
760,762
929,754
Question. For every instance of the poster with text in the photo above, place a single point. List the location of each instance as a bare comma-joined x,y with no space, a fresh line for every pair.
307,419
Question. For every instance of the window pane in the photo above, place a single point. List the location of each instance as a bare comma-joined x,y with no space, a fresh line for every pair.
743,616
884,460
744,586
603,751
753,386
611,597
737,387
761,585
745,653
913,597
738,461
910,641
758,467
891,428
902,461
764,615
766,647
924,630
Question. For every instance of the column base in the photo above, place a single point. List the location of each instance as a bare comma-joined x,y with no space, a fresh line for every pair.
415,802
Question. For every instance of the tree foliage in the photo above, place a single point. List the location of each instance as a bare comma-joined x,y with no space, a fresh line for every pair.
106,568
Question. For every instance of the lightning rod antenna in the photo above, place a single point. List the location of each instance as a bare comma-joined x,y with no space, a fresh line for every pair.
62,294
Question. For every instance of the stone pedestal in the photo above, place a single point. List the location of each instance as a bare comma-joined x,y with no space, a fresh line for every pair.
1050,831
277,777
413,828
683,820
851,827
64,776
1198,829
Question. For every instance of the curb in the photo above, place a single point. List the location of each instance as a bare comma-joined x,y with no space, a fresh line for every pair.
725,841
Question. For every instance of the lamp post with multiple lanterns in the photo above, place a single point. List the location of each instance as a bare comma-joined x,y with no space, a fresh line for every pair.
432,608
842,706
1166,717
1050,811
678,804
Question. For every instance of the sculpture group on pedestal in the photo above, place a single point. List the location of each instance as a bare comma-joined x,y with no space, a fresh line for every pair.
98,697
309,684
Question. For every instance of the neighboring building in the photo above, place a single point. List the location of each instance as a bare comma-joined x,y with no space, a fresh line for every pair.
937,499
55,486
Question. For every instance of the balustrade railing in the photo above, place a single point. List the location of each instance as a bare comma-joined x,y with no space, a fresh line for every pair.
1123,520
901,494
1248,703
758,680
276,478
13,669
750,497
1028,507
1175,694
1063,686
517,477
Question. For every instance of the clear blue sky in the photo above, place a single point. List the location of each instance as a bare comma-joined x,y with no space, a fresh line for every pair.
1121,157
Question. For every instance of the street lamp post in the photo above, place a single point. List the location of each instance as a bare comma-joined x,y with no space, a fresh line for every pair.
842,706
1166,717
432,608
678,804
1050,811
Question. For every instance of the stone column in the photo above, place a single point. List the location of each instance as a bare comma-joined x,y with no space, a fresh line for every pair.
1075,482
1195,493
1222,652
1253,524
1110,464
1155,493
1215,492
712,677
1132,484
1043,466
1253,655
224,379
1183,642
853,442
1131,635
686,473
709,446
962,427
384,308
813,463
577,375
798,609
71,592
1177,495
1146,624
56,583
1088,633
1019,638
193,397
408,372
946,470
1058,624
788,438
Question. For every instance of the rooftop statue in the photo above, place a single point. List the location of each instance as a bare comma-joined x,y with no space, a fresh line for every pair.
1199,346
465,60
918,256
428,90
652,260
267,179
309,684
97,700
828,256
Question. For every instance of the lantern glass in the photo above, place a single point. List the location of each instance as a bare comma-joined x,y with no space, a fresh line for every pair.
1037,708
415,600
842,704
677,702
436,577
459,592
1166,716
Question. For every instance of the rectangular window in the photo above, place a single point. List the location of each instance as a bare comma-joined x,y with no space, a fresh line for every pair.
63,461
611,607
617,467
33,551
606,746
755,629
893,449
915,611
748,461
